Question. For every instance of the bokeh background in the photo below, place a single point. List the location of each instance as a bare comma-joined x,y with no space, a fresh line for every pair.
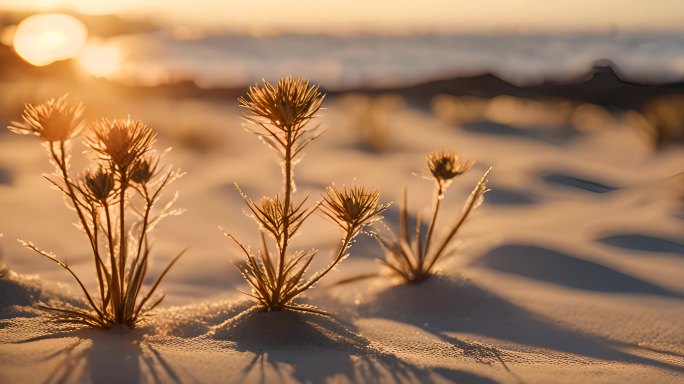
571,102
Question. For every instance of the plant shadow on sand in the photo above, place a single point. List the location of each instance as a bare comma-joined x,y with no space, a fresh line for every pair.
443,305
504,196
559,268
642,243
97,356
310,348
6,176
555,137
20,292
15,295
581,183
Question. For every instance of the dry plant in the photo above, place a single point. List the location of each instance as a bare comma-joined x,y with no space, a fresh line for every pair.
662,120
372,118
114,203
281,116
412,257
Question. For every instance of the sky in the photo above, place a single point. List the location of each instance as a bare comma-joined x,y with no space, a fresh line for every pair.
389,15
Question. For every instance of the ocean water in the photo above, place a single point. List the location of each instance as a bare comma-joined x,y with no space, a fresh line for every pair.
374,60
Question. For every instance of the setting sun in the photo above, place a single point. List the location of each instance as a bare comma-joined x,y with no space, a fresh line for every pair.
46,38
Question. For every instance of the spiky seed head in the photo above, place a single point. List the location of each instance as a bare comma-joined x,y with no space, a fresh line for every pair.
143,170
352,208
54,120
445,165
271,214
121,141
100,184
287,105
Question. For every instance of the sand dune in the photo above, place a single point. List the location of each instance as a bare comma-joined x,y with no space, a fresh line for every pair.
570,271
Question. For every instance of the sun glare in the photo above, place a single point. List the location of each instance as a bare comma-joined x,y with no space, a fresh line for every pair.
46,38
100,59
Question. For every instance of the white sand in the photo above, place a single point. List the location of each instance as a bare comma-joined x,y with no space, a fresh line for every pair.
570,272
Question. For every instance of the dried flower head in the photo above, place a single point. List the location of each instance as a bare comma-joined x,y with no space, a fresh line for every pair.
144,169
272,215
54,120
279,115
123,142
352,208
445,165
291,103
99,184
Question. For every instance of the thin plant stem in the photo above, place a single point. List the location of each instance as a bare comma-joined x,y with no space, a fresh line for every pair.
472,204
62,165
122,233
63,265
403,216
143,229
435,211
61,162
114,288
340,254
159,279
97,259
286,217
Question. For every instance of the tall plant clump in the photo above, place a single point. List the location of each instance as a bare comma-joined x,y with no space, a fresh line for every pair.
115,202
281,115
413,256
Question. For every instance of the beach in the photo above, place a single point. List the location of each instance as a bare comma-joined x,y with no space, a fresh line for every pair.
539,145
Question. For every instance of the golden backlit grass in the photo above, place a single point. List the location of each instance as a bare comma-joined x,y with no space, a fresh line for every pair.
281,115
412,256
115,200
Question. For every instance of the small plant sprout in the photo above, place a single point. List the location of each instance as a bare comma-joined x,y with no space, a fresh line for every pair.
412,257
115,202
280,115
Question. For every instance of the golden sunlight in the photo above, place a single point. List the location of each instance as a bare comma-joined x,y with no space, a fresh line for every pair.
100,59
45,38
7,35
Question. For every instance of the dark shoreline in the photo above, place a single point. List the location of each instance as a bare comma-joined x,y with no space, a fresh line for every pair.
602,85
